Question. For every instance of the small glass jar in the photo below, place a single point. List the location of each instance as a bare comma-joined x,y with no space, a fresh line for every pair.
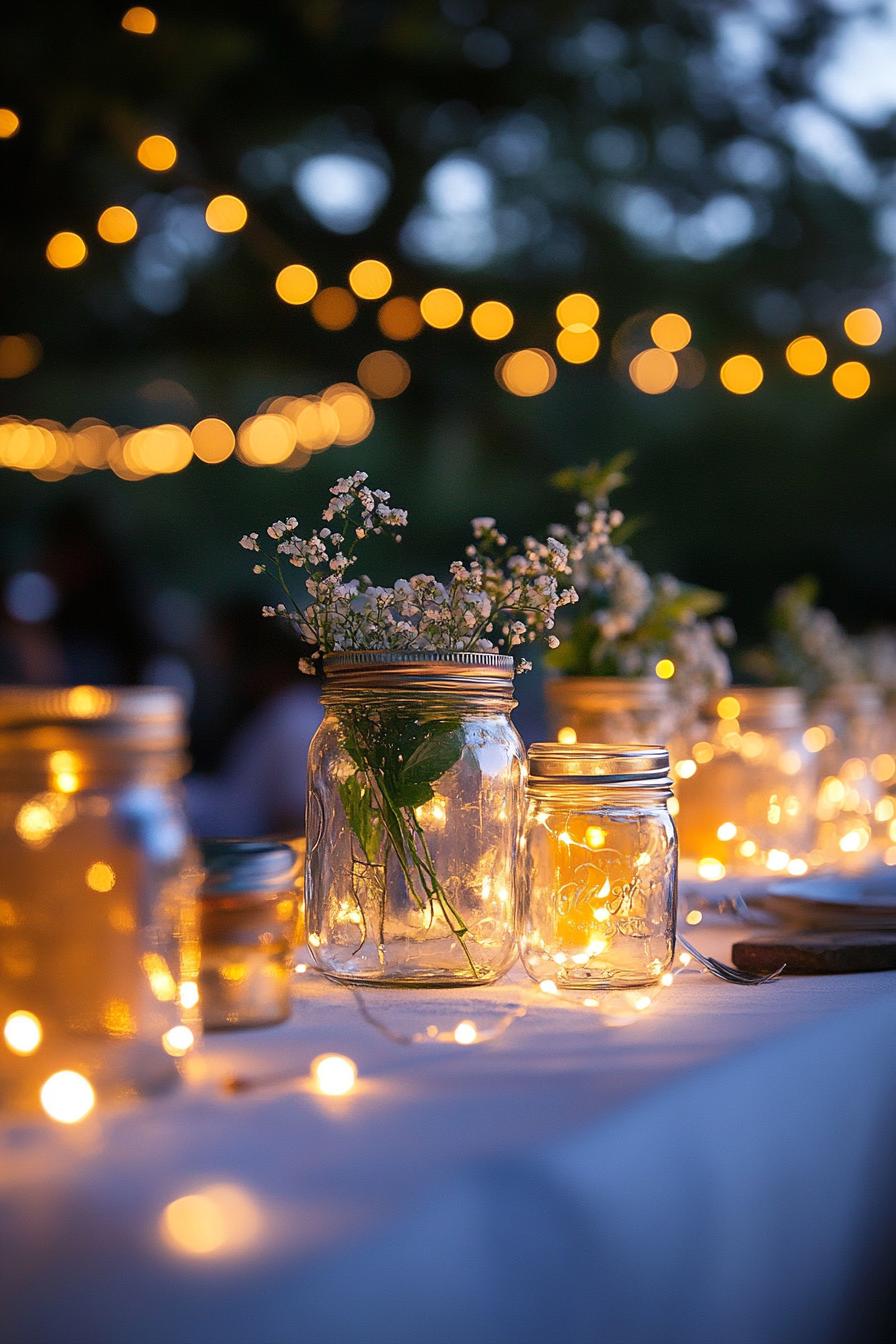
746,787
853,826
611,709
415,798
601,864
248,914
98,947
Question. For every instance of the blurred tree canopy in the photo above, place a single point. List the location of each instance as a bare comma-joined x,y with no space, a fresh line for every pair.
734,162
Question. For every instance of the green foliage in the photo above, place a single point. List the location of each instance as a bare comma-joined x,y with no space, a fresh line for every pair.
594,482
358,805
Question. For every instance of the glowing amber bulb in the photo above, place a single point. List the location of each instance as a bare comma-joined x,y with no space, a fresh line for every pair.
383,373
653,371
727,830
728,707
334,1075
66,250
806,355
177,1041
568,735
140,20
157,153
665,669
334,308
527,373
711,870
19,355
741,374
578,311
9,123
465,1033
670,332
213,440
370,279
67,1097
595,837
491,320
399,319
22,1032
296,284
100,876
863,326
441,308
226,214
117,224
851,380
577,347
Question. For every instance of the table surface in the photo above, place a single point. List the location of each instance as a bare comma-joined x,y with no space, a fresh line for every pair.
492,1157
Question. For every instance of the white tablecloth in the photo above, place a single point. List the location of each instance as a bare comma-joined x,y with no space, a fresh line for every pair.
723,1168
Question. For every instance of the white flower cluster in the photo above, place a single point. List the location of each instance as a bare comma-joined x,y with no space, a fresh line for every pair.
879,657
495,601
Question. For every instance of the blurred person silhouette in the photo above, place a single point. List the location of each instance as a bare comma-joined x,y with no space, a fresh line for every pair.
254,717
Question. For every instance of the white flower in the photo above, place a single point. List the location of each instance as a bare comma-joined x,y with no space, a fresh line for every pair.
250,542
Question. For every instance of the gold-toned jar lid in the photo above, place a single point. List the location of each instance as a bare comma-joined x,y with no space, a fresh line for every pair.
143,718
394,670
598,763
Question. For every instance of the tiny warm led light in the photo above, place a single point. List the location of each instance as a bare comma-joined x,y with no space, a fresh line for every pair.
399,319
567,735
188,994
565,838
806,355
527,373
853,842
685,769
100,876
35,822
642,1002
602,914
226,214
777,860
216,1220
548,987
653,371
851,380
140,20
22,1032
703,752
213,440
465,1033
9,123
711,870
863,326
666,979
595,837
370,279
441,308
693,917
64,766
266,440
665,669
728,707
727,830
670,332
815,739
334,1075
334,308
883,767
66,250
797,867
577,347
67,1097
117,224
578,311
178,1040
741,374
685,958
491,320
296,284
157,153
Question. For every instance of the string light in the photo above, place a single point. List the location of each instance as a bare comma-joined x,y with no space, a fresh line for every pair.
296,284
806,355
526,373
66,250
117,224
157,153
334,308
334,1075
19,355
863,326
100,876
741,374
139,20
577,347
22,1032
384,373
9,123
670,332
226,214
399,319
567,735
665,669
370,279
851,380
177,1041
213,440
653,371
491,320
67,1097
577,311
441,308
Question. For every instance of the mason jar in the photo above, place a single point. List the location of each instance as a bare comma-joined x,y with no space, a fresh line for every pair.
98,947
746,787
854,821
611,709
415,798
601,865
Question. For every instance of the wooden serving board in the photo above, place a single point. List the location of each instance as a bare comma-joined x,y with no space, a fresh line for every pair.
828,953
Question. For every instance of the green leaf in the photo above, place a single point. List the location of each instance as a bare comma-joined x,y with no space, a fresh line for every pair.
356,803
440,749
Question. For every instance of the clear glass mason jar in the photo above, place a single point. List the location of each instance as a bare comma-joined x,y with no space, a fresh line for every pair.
746,787
611,709
601,864
98,948
853,819
415,798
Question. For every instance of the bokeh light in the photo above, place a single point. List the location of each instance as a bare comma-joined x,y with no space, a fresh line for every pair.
806,355
316,423
399,319
138,19
265,440
296,284
157,153
670,332
162,449
117,224
526,373
370,279
741,374
67,1097
334,308
334,1075
65,250
100,876
178,1041
578,311
491,320
654,371
226,214
220,1219
353,411
22,1032
577,347
863,326
19,355
384,373
851,380
441,308
665,669
9,123
213,440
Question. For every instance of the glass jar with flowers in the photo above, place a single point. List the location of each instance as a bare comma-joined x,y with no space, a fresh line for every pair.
416,775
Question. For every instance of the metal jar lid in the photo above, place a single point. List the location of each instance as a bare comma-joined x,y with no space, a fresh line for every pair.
599,764
395,670
141,718
233,866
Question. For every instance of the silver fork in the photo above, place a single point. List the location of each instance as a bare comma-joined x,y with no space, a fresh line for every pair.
723,970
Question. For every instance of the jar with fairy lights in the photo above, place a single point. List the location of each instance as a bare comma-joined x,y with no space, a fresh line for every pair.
611,709
415,798
98,942
601,863
746,787
855,822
